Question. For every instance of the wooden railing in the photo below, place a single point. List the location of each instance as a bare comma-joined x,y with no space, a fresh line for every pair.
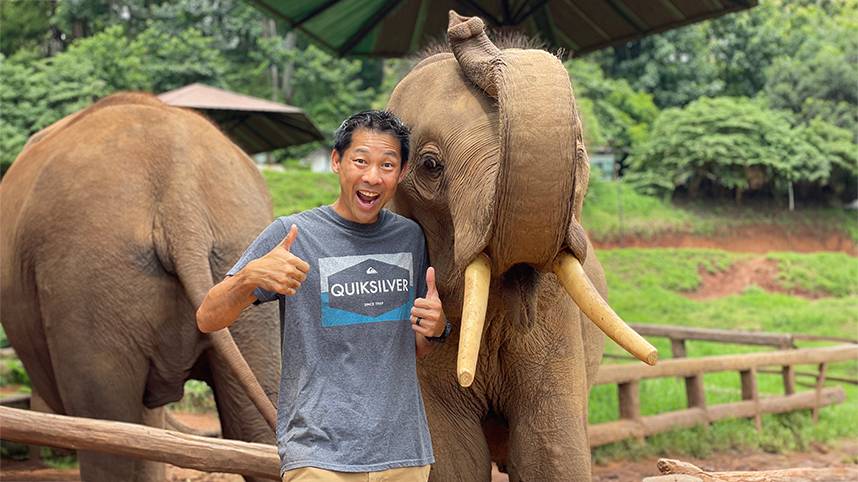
628,376
783,341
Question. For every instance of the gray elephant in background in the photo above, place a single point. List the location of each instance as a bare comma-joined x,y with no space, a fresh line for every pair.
116,221
496,177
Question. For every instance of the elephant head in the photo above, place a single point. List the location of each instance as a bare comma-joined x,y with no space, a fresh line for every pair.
496,178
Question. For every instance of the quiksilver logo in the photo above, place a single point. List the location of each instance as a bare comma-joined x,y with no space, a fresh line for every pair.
369,287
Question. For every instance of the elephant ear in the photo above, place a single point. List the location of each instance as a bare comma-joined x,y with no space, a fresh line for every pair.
582,166
540,137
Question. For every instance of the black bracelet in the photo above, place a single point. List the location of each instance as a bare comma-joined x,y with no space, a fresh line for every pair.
442,338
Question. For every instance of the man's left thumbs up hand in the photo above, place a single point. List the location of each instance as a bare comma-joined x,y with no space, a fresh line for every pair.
427,315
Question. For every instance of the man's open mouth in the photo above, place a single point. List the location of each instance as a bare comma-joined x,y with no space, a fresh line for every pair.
367,198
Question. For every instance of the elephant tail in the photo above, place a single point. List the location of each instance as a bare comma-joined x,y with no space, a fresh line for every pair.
192,261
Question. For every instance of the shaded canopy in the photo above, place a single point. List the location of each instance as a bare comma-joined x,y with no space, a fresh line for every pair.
256,125
393,28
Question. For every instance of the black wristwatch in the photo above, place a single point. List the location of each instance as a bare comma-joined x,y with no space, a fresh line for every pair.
443,337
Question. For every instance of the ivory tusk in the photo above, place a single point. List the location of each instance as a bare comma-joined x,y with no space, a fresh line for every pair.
477,279
572,277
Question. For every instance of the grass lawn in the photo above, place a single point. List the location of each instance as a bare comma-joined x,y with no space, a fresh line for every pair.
645,216
643,288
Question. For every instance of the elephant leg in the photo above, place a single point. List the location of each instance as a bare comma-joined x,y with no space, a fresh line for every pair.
545,403
239,417
109,387
460,448
548,432
146,470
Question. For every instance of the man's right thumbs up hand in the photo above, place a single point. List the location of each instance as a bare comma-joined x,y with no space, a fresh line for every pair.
280,271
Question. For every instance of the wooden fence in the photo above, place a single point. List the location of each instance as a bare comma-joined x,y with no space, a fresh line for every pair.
782,341
628,376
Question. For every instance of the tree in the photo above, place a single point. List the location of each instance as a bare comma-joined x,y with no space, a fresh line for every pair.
726,143
675,67
612,112
819,79
38,92
839,151
25,25
743,44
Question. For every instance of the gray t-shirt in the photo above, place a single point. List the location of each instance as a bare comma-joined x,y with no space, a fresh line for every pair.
349,396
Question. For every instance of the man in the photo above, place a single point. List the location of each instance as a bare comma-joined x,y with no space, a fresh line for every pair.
349,403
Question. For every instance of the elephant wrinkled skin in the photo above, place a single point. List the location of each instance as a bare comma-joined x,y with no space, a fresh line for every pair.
116,221
498,167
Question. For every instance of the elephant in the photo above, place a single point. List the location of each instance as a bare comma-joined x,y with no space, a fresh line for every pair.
496,178
116,221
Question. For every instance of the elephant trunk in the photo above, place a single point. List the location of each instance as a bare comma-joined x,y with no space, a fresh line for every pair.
542,178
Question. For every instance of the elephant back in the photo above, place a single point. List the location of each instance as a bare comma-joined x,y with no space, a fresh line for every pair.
120,217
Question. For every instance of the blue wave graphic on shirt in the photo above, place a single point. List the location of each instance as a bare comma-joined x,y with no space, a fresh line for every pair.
335,317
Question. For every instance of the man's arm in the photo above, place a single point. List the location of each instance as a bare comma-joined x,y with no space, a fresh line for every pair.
278,271
427,316
225,302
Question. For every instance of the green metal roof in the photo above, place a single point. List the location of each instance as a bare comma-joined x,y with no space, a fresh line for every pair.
393,28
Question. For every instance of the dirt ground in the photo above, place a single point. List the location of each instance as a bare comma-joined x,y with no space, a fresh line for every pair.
747,239
756,271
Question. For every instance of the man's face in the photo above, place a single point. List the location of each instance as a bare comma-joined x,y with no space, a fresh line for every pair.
369,173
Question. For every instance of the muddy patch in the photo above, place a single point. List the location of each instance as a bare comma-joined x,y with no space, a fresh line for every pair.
759,272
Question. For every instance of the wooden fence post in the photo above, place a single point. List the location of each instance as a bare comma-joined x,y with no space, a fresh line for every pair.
695,393
677,348
820,381
789,375
630,405
749,392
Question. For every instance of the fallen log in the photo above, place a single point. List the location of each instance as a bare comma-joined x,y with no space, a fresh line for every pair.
140,441
834,474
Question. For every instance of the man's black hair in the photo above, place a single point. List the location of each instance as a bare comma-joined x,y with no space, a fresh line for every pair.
377,121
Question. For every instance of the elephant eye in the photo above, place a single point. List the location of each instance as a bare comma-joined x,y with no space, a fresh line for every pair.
429,162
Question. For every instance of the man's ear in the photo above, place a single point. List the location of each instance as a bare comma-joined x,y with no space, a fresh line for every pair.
402,171
335,161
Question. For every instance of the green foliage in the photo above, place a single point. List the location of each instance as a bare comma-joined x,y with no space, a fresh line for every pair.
25,25
14,451
156,60
198,397
642,215
37,92
327,88
12,373
800,56
675,67
816,73
833,274
838,152
729,143
612,112
743,44
59,462
296,191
